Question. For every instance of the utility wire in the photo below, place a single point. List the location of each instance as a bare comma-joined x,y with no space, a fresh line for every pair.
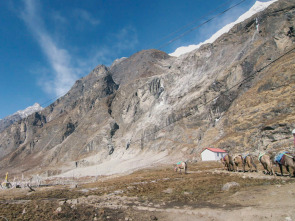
200,25
53,99
189,24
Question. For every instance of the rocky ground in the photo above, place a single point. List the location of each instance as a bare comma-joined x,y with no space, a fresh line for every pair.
207,192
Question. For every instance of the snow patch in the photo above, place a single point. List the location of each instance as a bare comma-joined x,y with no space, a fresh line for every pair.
29,110
257,7
118,61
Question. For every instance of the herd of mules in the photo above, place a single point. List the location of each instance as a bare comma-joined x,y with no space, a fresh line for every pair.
240,161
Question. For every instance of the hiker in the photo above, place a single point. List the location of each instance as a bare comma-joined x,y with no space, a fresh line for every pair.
293,132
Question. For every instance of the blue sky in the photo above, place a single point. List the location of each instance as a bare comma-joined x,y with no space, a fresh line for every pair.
46,45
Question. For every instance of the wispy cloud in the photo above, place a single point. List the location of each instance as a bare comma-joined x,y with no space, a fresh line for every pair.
58,18
85,16
69,64
59,58
126,38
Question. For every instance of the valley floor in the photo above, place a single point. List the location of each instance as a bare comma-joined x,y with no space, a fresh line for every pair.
158,194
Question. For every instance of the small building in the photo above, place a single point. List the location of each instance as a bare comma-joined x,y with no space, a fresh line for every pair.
212,154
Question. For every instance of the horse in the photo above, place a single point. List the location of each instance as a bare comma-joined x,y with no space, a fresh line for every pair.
266,162
227,162
287,160
181,165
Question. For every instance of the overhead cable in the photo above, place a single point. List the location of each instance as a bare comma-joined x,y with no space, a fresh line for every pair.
200,25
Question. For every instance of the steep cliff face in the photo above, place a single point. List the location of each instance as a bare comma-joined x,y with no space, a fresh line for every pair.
236,94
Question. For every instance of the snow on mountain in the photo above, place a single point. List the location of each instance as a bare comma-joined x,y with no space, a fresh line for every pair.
29,110
257,7
7,121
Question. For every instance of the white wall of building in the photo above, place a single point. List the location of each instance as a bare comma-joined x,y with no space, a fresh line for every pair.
208,155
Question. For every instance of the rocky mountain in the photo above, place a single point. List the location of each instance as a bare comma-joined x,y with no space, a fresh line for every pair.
7,121
236,93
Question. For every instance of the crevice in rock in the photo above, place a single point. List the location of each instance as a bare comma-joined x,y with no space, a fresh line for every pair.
111,86
70,128
114,128
109,103
155,87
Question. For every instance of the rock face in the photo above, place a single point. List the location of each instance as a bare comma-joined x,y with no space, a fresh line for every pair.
236,94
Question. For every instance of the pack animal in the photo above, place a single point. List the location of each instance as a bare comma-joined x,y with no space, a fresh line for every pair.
239,162
287,160
266,162
249,161
181,166
227,162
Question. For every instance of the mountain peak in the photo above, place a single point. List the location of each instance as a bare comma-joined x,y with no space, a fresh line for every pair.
29,110
7,121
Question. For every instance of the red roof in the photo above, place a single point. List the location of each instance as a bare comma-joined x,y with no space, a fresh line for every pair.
216,150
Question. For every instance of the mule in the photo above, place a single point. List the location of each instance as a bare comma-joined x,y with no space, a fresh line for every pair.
287,160
249,161
266,162
227,162
182,165
239,162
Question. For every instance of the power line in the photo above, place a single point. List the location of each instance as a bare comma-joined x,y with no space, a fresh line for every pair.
52,99
200,25
189,24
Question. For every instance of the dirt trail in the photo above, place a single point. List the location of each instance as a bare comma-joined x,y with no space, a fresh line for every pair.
258,203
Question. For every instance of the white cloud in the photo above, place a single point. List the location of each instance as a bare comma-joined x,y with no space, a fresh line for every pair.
57,17
126,38
59,59
85,17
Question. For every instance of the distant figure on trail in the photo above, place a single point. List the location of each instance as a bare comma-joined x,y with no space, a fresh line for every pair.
293,132
181,165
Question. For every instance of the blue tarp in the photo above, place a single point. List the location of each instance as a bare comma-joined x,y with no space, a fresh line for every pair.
279,156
